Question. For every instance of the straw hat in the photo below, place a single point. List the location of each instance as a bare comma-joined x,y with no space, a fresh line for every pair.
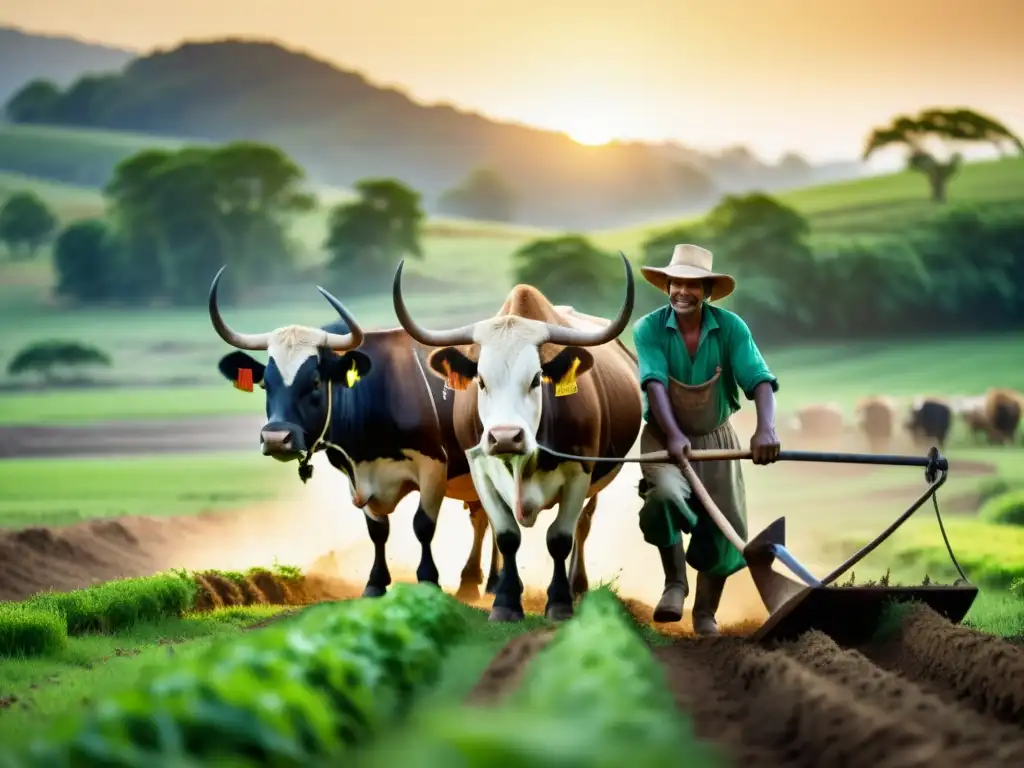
690,262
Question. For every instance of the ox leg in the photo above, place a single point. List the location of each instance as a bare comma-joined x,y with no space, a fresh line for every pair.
577,560
380,577
560,536
472,574
508,594
494,572
495,569
424,524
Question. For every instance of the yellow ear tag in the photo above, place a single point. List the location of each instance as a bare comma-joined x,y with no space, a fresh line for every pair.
568,385
352,375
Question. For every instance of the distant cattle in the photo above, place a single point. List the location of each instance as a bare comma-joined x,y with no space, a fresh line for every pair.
929,419
875,418
995,415
532,375
364,398
818,421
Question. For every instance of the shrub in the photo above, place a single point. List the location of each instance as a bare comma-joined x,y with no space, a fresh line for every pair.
1005,509
29,631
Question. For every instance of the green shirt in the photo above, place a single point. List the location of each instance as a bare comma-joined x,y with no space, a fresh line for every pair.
725,340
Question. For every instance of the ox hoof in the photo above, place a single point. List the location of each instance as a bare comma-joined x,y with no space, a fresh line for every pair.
468,592
499,613
374,591
558,612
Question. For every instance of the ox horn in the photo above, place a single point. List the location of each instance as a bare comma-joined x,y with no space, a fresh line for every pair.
559,334
452,338
253,341
340,342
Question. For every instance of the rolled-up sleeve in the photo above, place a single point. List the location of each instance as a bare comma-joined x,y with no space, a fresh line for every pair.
749,367
650,352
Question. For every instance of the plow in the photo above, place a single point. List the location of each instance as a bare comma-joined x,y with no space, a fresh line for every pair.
799,601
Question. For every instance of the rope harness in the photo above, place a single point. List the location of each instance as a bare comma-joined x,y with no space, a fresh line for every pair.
305,468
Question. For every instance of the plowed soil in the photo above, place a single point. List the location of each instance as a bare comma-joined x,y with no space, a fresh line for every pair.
938,695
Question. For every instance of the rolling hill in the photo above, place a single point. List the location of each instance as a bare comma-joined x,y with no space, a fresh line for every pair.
26,56
342,127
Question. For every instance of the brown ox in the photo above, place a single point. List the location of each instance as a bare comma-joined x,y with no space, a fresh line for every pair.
531,376
876,417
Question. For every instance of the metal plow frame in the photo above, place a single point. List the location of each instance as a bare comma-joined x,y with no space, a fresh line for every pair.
849,615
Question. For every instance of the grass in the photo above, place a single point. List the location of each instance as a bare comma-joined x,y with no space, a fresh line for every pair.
93,666
876,206
65,491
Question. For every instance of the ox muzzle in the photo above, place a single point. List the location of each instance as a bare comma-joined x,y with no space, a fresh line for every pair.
506,440
283,441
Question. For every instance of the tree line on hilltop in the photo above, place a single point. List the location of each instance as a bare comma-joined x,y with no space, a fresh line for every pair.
175,216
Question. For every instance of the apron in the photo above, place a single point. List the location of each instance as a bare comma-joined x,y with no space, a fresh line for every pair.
670,508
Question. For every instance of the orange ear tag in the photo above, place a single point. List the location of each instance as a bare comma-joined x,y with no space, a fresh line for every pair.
244,380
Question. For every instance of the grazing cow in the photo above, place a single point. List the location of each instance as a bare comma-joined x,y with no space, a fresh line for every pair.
366,400
875,417
520,382
994,415
929,419
819,421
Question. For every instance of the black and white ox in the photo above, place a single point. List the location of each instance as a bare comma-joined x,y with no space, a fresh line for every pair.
364,398
533,374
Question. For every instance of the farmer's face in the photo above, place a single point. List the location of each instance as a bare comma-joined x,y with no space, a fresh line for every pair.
685,296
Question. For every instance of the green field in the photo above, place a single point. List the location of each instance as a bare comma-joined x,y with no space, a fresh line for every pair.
65,491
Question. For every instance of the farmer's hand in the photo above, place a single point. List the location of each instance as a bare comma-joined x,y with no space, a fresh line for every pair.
765,446
679,449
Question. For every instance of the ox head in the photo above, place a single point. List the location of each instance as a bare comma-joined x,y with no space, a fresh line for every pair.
505,361
302,361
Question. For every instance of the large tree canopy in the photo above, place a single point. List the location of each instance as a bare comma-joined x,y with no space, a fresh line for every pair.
945,126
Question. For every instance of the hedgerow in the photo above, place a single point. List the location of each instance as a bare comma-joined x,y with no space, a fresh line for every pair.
30,631
287,695
121,604
593,697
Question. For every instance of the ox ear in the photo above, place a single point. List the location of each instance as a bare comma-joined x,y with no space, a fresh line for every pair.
452,366
559,367
346,369
232,362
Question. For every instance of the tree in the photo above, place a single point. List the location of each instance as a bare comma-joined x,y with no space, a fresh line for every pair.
45,357
942,126
483,195
570,269
34,103
26,223
183,214
367,236
87,261
764,243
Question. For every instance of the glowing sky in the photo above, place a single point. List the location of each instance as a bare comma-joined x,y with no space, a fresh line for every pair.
776,75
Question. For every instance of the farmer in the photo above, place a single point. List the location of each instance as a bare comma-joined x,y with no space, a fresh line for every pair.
695,359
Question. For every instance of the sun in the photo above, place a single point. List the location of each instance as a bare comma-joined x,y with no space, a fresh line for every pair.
593,135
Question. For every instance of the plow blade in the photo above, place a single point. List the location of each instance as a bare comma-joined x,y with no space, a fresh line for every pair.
852,615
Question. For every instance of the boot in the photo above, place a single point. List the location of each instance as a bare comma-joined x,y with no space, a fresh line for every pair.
670,607
705,603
